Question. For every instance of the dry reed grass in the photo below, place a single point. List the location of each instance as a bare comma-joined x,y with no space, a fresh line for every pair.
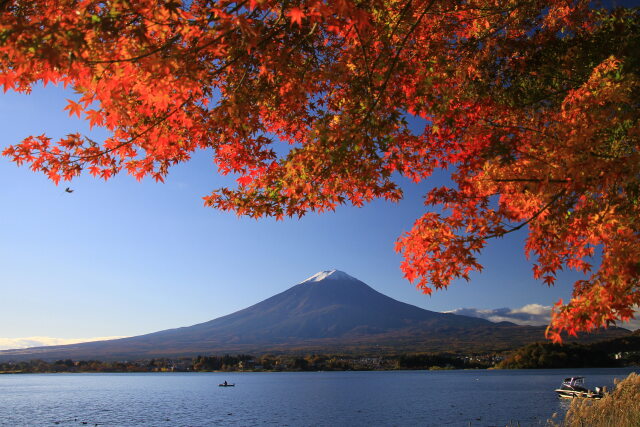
620,408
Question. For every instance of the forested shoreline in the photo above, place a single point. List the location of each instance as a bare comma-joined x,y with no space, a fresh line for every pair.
618,352
264,363
611,353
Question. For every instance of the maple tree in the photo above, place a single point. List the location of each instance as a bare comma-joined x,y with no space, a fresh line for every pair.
532,105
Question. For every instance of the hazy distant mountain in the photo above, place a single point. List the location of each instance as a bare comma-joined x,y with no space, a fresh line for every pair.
330,311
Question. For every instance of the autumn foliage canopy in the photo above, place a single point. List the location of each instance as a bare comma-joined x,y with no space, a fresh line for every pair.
532,105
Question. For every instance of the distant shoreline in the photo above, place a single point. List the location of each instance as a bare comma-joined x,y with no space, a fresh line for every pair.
276,363
618,352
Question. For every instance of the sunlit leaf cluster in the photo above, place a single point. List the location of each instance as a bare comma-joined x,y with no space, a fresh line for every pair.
531,105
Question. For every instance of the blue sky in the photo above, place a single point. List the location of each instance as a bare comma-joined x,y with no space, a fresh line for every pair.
124,258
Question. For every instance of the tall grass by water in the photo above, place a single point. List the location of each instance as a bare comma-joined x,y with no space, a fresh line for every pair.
620,408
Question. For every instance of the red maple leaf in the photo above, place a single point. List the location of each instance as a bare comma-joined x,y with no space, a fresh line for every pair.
74,108
296,14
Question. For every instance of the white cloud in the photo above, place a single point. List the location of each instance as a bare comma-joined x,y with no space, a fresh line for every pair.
530,314
14,343
632,324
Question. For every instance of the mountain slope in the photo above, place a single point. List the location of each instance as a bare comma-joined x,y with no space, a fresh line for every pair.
328,305
330,311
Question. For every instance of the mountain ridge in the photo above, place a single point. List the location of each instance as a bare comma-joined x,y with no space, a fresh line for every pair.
330,310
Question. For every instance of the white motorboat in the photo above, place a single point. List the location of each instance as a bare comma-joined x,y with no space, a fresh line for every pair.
574,387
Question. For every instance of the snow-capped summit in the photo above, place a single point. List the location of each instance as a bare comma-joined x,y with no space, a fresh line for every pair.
328,275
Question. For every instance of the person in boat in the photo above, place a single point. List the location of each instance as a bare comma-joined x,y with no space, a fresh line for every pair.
225,383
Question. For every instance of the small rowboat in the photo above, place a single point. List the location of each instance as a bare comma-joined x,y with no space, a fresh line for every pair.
574,387
226,385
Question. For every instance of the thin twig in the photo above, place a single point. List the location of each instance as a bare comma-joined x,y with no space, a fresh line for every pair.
536,215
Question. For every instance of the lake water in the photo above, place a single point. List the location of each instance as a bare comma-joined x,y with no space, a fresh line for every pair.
396,398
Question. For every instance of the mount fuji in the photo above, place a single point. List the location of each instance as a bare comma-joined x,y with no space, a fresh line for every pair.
328,312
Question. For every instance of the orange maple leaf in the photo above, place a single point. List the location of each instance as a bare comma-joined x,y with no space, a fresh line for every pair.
74,108
296,14
95,118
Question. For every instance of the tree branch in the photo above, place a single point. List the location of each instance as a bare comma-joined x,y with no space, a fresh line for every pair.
536,215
